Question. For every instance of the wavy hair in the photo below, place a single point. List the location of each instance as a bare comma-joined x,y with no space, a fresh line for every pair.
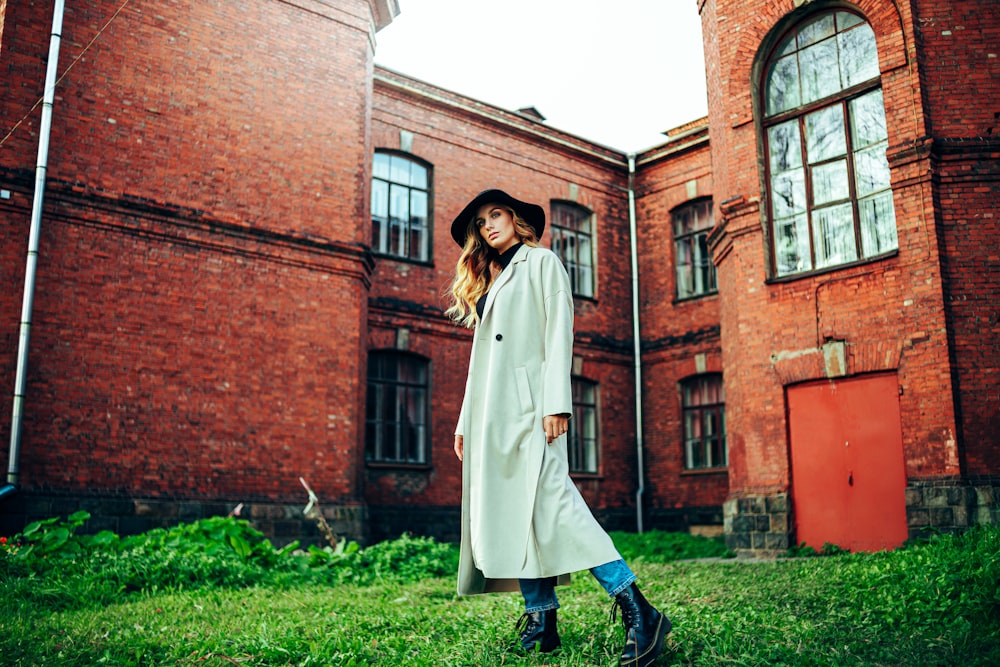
476,268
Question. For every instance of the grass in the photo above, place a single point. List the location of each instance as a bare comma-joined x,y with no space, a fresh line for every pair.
936,603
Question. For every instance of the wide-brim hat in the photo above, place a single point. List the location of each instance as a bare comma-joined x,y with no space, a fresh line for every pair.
533,214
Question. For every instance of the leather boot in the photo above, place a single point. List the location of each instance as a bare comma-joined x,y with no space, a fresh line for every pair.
538,631
645,628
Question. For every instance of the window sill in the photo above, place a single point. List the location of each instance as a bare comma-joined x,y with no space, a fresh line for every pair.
586,476
385,465
830,269
701,472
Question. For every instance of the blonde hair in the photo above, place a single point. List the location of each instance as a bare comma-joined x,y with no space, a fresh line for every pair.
475,269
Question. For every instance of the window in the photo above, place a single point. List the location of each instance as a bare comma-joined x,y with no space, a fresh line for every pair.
704,423
572,240
695,271
396,413
582,442
400,207
825,138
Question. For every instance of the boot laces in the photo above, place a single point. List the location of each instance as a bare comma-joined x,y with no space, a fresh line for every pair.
527,624
630,611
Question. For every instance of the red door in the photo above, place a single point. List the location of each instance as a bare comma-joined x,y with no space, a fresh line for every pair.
848,475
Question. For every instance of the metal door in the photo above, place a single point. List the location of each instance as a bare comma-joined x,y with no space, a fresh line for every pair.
848,474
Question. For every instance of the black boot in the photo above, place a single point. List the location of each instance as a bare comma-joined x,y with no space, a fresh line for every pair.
538,631
645,628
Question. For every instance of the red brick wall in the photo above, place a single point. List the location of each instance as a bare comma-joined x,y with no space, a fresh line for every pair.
202,288
959,62
680,338
189,367
969,198
471,147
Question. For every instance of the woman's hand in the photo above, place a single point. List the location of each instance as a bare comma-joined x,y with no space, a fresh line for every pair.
459,446
555,426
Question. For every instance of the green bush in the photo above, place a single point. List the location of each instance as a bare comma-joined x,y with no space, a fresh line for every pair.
82,570
405,559
215,536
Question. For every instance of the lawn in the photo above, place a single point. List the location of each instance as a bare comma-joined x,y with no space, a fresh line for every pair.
933,603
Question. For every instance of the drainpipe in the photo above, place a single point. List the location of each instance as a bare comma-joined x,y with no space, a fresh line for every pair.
637,344
29,275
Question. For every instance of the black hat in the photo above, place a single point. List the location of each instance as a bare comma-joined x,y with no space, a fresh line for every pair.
533,214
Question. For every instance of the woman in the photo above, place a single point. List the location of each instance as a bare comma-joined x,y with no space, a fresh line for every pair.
524,523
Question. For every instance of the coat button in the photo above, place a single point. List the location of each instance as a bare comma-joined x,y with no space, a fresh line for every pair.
499,336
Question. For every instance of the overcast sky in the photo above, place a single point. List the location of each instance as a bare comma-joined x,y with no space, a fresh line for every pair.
616,72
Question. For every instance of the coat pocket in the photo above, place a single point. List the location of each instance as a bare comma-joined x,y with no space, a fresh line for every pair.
523,389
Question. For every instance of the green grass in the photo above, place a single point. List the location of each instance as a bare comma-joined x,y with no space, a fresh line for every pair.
936,603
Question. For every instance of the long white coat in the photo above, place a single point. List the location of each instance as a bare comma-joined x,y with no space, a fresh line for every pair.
522,516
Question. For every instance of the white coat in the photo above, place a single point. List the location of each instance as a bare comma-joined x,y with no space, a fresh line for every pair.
522,515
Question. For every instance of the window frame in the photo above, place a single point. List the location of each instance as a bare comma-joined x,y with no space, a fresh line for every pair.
573,265
693,236
374,450
576,442
385,237
703,439
842,98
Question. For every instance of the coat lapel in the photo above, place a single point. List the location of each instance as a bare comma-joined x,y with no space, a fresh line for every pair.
503,279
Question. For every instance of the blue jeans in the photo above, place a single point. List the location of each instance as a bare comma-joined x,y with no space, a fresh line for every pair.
540,594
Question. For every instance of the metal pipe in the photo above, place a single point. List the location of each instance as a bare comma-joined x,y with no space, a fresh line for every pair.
637,344
45,129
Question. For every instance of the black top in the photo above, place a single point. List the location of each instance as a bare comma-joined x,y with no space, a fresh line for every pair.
503,260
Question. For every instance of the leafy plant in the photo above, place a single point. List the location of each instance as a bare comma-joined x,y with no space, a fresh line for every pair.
215,536
329,556
405,559
57,538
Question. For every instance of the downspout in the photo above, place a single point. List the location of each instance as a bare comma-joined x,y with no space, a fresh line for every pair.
637,345
45,129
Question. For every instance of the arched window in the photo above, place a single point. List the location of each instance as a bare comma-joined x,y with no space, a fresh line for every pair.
573,241
825,138
693,261
401,189
704,406
396,421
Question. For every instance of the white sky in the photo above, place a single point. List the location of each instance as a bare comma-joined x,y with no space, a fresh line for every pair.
616,72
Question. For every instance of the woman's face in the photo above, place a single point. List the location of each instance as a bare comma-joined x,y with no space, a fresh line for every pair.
496,226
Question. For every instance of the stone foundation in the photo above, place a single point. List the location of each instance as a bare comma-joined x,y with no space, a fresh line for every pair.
763,526
945,505
683,520
758,526
444,523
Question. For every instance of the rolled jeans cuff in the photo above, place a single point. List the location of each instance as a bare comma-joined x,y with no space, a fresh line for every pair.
539,594
614,577
619,589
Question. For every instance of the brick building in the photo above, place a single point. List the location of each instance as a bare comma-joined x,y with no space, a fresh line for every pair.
854,166
245,246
